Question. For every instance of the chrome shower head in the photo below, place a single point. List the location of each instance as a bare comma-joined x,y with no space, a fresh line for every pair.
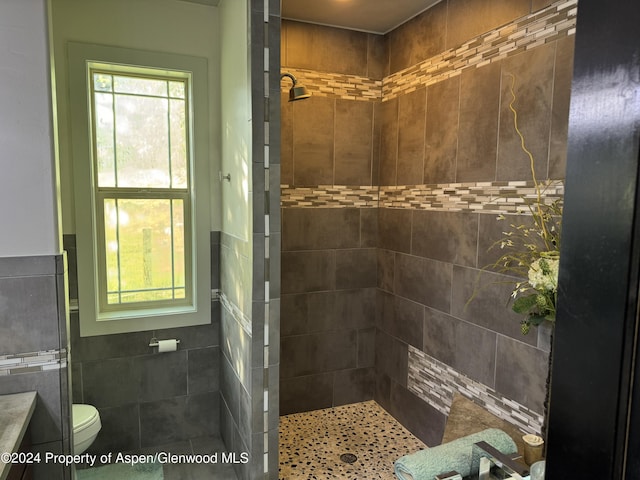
297,92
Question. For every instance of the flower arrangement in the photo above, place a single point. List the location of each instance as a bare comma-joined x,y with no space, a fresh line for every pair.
533,254
532,251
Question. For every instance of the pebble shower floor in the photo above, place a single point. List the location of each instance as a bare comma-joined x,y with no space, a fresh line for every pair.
352,442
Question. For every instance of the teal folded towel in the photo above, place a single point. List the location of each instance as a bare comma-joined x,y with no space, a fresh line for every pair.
458,455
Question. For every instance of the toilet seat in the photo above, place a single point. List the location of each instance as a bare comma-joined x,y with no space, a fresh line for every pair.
83,416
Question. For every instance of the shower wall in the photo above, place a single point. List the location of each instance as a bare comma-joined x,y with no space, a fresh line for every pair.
329,257
447,161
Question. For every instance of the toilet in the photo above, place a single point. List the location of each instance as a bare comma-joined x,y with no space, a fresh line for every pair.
86,425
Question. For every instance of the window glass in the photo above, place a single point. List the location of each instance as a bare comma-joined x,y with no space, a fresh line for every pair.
141,160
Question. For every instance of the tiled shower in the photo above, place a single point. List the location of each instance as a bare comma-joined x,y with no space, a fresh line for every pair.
384,171
393,174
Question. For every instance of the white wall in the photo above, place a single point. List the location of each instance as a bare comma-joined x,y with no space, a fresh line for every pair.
169,26
236,120
28,207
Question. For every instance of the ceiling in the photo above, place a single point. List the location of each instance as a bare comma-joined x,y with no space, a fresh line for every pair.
374,16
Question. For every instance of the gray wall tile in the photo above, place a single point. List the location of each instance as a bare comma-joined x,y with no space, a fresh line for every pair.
386,269
104,347
230,388
491,232
465,21
293,314
160,376
353,142
418,39
376,58
318,353
412,111
521,372
394,227
32,266
450,340
480,297
382,394
178,418
356,268
401,318
424,281
326,49
320,228
301,394
237,345
109,382
308,271
120,430
28,304
275,269
313,136
532,73
197,336
286,140
387,119
368,227
424,421
446,236
366,347
391,357
327,311
354,385
204,370
441,131
479,109
46,422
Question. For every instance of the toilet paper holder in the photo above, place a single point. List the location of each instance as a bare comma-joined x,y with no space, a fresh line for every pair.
154,342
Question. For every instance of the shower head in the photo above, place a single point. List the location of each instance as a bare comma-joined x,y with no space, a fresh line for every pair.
297,92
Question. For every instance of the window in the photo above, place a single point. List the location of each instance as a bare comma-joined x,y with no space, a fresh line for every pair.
139,158
142,188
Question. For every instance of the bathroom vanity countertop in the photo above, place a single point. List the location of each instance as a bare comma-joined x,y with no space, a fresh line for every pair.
15,413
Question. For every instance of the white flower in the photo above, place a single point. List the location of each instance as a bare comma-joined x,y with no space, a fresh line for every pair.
543,274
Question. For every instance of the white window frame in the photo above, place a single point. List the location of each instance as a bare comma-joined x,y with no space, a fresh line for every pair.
197,310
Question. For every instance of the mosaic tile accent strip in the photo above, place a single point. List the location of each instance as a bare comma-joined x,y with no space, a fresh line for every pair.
547,25
32,362
436,382
329,196
483,197
346,87
312,443
544,26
